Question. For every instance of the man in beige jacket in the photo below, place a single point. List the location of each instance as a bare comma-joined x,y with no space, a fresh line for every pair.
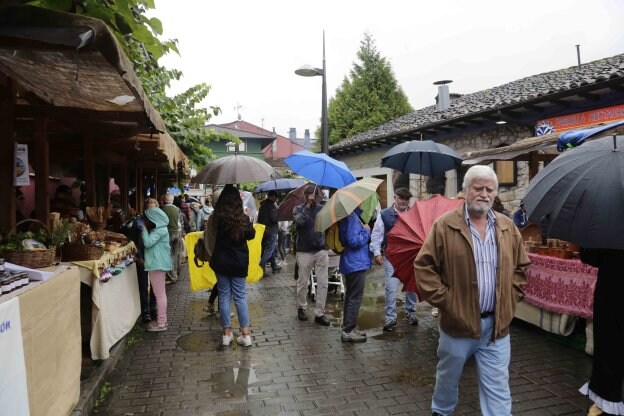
472,267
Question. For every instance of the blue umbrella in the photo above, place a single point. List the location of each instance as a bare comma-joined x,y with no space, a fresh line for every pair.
320,168
279,185
174,191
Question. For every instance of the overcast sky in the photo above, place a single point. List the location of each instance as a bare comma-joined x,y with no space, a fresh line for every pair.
247,50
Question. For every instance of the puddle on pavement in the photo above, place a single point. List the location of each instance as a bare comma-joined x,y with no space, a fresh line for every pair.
200,341
235,382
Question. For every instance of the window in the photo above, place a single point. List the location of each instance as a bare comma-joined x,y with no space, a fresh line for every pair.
233,147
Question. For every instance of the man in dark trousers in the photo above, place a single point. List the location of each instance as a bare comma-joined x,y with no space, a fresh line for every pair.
267,216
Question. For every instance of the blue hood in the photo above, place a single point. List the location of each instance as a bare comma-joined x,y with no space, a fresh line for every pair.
157,216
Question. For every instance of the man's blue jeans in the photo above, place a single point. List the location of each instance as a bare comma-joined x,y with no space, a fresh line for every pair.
492,359
392,289
268,251
232,287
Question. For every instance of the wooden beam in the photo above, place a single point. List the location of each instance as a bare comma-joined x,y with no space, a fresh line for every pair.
42,170
533,164
561,103
72,114
7,153
531,107
619,88
89,169
123,184
589,96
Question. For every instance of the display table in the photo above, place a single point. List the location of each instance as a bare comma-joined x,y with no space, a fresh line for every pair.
116,305
50,323
557,294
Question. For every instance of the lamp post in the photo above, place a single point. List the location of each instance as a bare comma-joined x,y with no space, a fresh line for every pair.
310,71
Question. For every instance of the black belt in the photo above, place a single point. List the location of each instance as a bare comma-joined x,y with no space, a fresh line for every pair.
486,314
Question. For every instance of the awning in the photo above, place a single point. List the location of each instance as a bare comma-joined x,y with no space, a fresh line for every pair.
544,145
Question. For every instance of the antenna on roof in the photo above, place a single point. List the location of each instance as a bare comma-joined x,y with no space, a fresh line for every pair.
578,55
237,107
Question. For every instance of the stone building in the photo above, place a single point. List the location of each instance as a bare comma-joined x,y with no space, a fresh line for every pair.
481,122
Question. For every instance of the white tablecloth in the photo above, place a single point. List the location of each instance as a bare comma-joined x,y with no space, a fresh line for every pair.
116,307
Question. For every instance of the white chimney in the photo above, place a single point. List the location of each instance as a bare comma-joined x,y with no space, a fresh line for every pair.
443,100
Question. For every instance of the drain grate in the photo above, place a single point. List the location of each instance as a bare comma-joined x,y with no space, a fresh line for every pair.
199,341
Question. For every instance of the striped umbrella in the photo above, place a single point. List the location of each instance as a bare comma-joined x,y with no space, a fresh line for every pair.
409,233
344,201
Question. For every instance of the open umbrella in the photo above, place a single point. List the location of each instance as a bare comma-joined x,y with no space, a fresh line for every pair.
283,184
409,233
579,197
320,168
344,201
424,157
234,169
294,198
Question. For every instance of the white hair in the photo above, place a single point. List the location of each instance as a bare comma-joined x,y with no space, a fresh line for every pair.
479,172
169,198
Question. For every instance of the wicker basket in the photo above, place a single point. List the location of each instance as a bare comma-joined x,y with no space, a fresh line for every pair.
80,252
33,259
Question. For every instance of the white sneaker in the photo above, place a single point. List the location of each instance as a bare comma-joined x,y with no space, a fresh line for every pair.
244,340
227,339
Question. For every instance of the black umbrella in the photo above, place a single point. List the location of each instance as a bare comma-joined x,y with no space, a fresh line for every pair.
579,197
280,185
424,157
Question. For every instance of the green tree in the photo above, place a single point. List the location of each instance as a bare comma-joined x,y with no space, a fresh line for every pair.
369,97
139,37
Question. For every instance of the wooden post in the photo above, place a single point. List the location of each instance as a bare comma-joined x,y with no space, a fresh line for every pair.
139,188
123,184
7,153
533,164
42,170
89,169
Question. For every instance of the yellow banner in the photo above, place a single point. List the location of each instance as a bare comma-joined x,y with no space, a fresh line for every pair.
204,277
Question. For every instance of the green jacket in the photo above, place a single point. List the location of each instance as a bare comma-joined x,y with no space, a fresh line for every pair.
156,242
173,215
446,275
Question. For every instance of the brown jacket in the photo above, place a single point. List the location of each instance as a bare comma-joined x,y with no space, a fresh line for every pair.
446,274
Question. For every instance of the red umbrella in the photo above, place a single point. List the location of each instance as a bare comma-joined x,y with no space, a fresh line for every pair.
409,233
294,198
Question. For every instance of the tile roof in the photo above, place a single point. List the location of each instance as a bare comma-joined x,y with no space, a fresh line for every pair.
516,92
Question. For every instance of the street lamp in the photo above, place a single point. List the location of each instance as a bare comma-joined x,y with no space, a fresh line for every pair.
310,71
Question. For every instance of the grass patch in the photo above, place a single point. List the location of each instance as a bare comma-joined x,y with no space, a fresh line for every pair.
106,389
135,336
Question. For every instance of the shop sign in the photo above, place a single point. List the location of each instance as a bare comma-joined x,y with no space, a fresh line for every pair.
21,175
13,387
579,120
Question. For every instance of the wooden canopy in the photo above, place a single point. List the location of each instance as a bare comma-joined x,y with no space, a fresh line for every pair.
70,93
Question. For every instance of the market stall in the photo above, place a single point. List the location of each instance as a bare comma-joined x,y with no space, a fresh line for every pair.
47,325
558,293
115,304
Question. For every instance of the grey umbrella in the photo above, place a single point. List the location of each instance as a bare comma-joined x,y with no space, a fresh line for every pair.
424,157
235,169
579,197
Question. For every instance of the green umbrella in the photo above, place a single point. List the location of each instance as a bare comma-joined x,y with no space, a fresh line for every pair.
345,201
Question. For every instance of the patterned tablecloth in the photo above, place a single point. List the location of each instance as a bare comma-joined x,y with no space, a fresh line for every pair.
563,286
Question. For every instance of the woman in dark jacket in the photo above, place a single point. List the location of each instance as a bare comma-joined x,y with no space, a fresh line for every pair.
230,261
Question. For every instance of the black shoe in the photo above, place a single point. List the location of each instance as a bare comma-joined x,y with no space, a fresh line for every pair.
146,318
322,320
302,315
389,325
277,270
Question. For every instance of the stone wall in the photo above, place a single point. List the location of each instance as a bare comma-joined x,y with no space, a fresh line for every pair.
368,162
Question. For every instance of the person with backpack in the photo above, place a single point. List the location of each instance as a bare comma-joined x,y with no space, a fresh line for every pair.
385,221
354,263
311,253
230,262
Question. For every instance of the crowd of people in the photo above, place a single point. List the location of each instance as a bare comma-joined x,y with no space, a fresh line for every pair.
471,268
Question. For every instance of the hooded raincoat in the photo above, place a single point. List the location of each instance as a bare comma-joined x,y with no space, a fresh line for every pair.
156,242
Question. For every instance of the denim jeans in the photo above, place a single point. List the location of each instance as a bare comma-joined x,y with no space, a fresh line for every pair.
269,249
232,287
492,359
392,290
354,292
